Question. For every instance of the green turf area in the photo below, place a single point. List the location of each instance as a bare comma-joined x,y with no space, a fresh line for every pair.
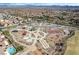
73,44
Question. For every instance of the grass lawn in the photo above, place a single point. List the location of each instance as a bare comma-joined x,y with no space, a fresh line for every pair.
73,44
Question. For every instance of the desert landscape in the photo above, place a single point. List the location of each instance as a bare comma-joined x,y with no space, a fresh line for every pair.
39,30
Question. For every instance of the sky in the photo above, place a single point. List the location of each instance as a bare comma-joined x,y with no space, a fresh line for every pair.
39,1
76,2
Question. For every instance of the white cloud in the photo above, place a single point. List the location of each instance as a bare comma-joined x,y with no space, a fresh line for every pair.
39,1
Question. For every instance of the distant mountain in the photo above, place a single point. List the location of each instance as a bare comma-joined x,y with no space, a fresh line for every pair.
39,5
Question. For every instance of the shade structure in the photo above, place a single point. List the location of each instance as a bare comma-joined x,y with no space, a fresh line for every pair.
11,50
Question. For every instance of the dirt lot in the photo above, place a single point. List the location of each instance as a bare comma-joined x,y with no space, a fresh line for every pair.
73,44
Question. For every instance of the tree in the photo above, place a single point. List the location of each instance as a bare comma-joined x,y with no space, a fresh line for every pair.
19,48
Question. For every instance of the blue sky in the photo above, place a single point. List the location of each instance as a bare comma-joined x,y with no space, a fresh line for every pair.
70,2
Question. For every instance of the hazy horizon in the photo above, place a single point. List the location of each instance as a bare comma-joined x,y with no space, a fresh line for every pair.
47,4
42,2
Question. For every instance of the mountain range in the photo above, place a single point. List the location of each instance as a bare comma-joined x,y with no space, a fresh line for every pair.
38,5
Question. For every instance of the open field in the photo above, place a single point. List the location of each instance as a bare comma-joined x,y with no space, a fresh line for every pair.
73,44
